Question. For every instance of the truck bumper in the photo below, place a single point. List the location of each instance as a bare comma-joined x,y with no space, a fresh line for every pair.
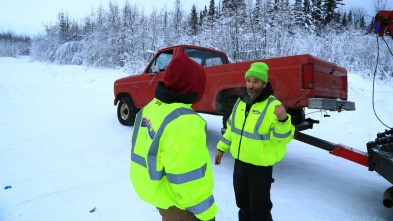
330,104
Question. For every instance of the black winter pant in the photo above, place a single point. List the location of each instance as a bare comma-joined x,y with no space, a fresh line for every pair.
252,191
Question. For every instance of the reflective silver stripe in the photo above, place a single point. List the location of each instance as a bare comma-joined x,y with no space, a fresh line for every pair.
202,206
265,137
260,120
234,113
152,155
229,122
255,135
134,157
225,141
281,135
187,177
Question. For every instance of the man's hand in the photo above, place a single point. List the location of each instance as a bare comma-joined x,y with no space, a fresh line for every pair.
218,157
280,112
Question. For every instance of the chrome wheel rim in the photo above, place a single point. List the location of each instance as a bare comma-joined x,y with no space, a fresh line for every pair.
124,111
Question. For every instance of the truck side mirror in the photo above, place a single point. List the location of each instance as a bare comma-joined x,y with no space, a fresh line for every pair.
155,69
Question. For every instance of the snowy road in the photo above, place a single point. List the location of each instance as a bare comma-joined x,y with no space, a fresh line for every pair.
64,153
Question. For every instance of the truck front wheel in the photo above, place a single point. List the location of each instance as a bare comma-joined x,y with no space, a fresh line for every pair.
126,111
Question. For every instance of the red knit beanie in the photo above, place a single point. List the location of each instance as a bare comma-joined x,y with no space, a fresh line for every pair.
184,76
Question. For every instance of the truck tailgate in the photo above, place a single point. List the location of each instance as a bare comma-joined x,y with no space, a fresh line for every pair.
330,80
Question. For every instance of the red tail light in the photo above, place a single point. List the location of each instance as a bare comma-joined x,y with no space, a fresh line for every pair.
308,76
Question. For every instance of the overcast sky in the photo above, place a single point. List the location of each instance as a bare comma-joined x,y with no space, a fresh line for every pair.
29,16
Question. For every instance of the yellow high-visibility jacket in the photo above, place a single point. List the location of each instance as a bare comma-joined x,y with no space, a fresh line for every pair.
260,139
170,162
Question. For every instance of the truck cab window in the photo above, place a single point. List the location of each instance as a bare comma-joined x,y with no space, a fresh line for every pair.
206,58
162,60
213,61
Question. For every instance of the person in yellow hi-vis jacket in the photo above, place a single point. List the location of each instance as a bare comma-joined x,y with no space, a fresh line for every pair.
258,131
170,162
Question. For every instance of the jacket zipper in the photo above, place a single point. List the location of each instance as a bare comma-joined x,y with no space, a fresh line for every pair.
241,134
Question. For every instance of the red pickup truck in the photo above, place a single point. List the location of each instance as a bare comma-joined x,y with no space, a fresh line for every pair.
298,81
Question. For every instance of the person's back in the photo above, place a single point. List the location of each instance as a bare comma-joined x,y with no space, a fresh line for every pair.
170,165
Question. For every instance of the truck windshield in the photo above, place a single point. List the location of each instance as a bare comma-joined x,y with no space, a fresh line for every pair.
206,58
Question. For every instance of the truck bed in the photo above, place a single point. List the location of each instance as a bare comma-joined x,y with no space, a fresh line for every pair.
294,79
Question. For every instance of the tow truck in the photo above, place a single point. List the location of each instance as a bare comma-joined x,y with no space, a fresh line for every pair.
379,156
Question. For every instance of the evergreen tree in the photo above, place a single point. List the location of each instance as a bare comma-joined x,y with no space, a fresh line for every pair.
307,7
114,16
329,7
177,16
205,11
166,28
127,16
241,11
193,21
165,19
75,32
362,25
355,17
337,18
227,6
256,14
88,26
154,30
100,18
212,10
344,20
202,18
299,15
317,13
309,21
231,7
200,23
349,18
64,29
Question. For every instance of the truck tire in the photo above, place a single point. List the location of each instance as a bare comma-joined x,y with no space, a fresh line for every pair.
126,111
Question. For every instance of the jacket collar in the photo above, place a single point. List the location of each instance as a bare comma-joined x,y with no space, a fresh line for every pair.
168,96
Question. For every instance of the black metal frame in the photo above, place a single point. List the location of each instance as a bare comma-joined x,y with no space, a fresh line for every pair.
380,155
323,144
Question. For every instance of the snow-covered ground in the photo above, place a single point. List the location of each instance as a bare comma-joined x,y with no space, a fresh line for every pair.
66,157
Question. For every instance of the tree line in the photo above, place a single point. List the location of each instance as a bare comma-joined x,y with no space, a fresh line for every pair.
12,44
125,37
